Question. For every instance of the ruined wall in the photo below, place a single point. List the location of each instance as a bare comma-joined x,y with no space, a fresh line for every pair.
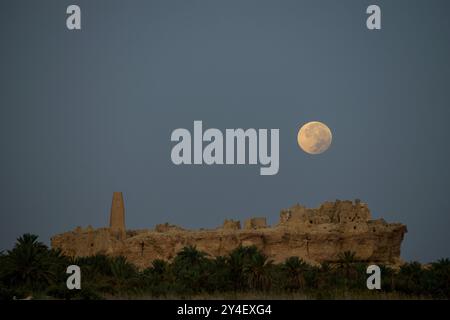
315,235
329,212
255,223
231,225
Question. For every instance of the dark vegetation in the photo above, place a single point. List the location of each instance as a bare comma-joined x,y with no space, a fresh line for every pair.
32,269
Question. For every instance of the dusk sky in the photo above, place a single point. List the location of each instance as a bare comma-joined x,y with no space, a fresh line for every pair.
88,112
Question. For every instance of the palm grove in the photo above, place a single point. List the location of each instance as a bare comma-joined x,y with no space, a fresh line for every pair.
32,269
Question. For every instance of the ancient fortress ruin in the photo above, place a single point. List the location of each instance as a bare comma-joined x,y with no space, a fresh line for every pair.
315,235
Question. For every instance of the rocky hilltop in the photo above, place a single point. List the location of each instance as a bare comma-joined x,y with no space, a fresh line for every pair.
315,235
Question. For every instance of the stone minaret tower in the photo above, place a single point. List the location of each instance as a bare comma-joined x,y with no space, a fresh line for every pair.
117,218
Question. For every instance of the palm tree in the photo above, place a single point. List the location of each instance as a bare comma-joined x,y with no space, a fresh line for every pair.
29,264
159,267
257,271
219,276
96,265
295,269
387,278
236,260
326,275
439,275
124,274
190,270
122,269
346,263
97,273
156,279
190,255
442,266
411,276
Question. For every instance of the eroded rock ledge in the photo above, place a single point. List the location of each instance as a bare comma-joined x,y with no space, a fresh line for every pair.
316,235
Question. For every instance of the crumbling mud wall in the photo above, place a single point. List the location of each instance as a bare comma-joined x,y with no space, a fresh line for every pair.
315,235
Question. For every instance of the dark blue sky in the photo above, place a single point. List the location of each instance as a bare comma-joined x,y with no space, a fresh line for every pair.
86,113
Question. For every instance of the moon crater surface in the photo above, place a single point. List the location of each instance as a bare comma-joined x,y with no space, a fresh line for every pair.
314,137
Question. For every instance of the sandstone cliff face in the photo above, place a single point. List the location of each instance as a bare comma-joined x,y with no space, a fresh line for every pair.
316,235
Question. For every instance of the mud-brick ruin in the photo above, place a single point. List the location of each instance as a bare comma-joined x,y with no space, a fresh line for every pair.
315,235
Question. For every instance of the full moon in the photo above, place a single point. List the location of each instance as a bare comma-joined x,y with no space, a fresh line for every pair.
314,137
